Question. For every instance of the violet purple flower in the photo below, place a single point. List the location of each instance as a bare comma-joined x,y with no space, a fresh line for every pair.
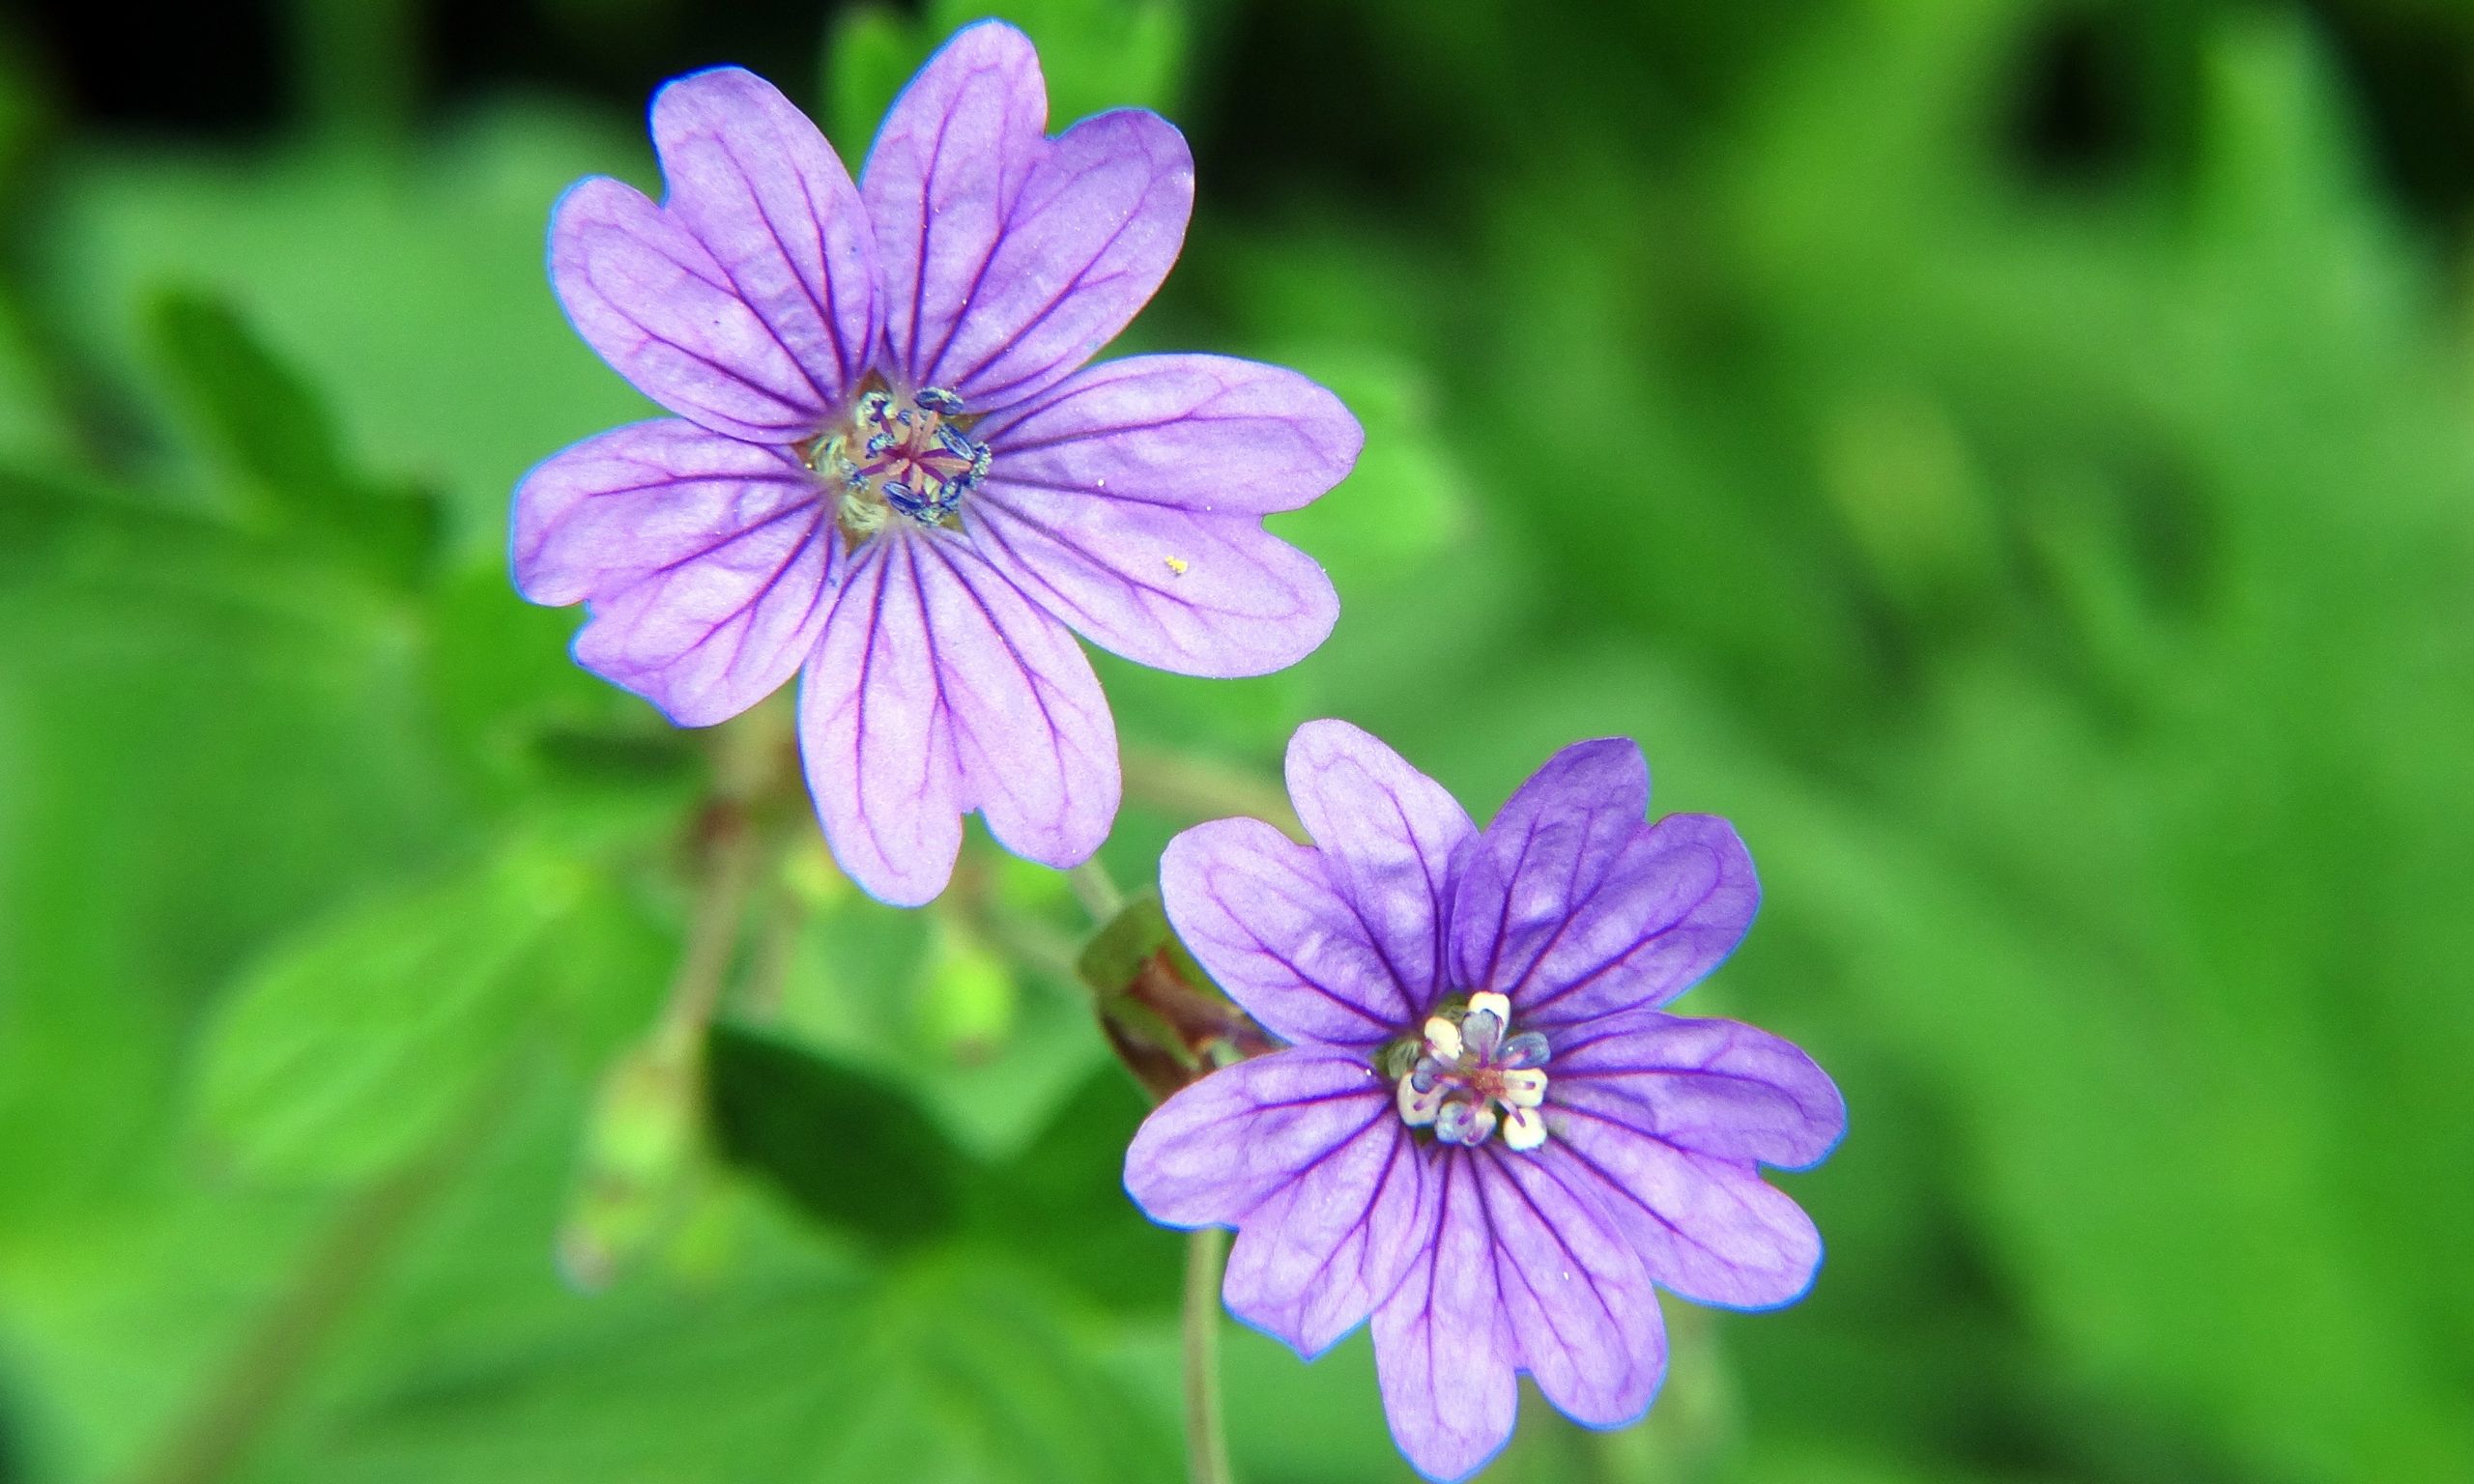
891,471
1484,1133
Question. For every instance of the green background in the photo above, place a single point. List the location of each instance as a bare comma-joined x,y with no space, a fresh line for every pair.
2012,458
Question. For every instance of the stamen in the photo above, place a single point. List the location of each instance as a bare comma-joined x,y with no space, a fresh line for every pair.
900,456
1465,1123
1526,1049
1468,1075
1521,1089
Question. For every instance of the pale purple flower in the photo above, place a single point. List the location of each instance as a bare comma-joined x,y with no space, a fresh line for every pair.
1485,1133
891,472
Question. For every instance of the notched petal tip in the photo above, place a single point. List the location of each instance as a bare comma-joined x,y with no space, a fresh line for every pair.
937,689
1262,915
723,85
652,301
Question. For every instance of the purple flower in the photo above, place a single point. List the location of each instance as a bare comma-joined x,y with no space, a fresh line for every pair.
1485,1133
891,471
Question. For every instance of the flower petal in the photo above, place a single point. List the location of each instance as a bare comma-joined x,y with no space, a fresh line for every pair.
1300,1151
1204,432
937,688
755,182
1123,501
948,165
657,306
1388,832
1258,910
707,562
1265,919
1008,259
1196,594
1704,1226
1221,1146
1575,1297
1571,926
1719,1086
1556,839
1442,1352
1083,247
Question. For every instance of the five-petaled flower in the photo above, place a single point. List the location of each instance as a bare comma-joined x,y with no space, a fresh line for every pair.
891,471
1485,1133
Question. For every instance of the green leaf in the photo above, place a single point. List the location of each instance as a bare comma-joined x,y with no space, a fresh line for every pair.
959,1367
868,58
264,422
353,1042
1096,55
850,1148
408,290
1061,1204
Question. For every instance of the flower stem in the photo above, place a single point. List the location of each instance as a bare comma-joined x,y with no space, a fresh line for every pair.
731,854
1097,891
712,928
1206,1434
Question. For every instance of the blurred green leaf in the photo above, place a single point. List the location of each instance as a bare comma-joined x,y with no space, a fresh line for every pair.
265,422
871,53
959,1367
354,1041
1096,55
363,269
850,1148
1061,1202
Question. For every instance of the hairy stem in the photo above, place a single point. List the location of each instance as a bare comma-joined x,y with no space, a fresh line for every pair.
1206,1434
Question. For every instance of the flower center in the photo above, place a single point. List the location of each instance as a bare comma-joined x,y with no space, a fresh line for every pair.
900,456
1470,1074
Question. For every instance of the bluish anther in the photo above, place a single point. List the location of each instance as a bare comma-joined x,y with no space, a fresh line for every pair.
911,459
1473,1078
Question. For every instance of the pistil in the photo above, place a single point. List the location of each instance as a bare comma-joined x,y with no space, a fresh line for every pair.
1473,1076
900,456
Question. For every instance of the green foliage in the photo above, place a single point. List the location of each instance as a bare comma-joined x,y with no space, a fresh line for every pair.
2051,551
353,1042
279,441
1096,54
850,1150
